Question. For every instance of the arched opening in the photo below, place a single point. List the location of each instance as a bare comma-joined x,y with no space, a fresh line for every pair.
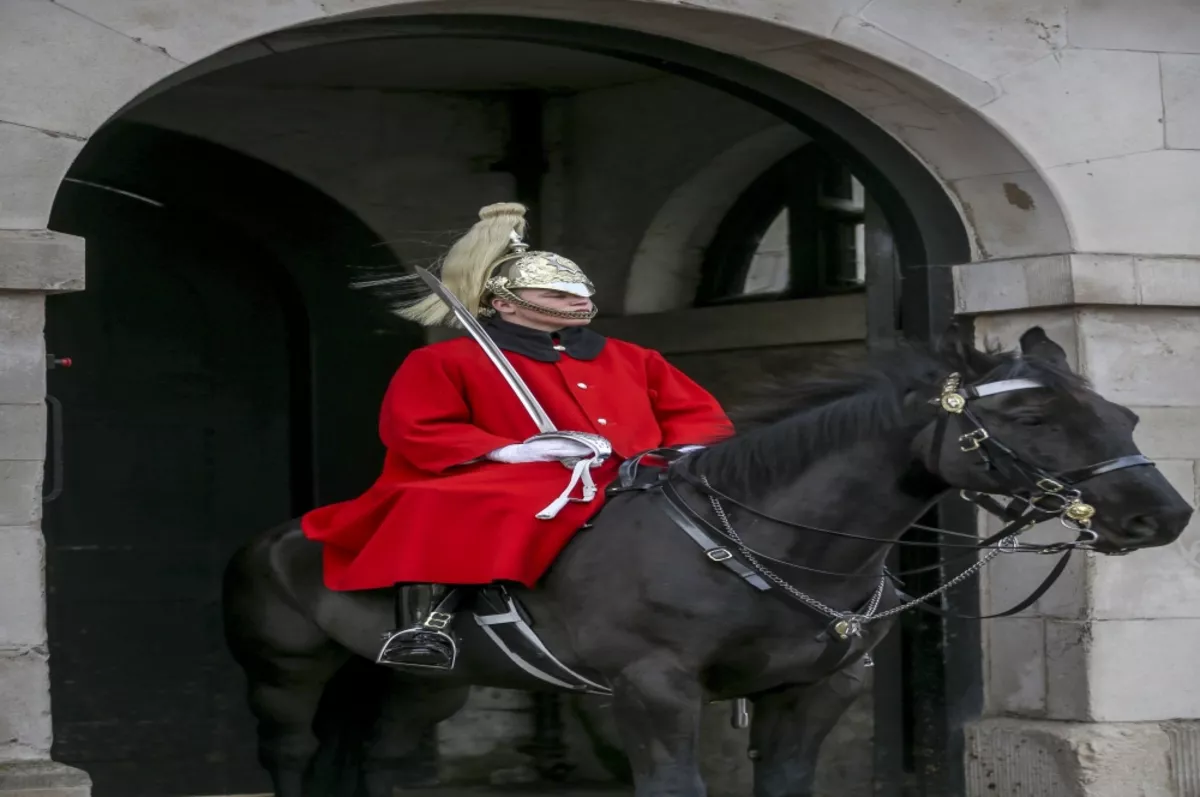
573,207
798,232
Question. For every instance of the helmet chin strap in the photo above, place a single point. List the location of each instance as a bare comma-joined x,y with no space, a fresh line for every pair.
510,297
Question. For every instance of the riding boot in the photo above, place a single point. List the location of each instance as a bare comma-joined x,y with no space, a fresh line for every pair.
424,639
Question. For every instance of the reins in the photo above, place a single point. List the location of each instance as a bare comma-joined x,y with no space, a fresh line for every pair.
1034,497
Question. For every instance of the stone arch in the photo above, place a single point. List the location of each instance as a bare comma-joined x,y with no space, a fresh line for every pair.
666,266
867,56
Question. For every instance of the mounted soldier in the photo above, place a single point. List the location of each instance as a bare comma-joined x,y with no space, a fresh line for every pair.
473,490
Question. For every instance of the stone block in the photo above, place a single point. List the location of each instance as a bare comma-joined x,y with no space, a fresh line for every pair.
189,31
1158,582
1060,108
887,50
1169,26
1012,215
22,348
22,588
1015,666
20,492
22,432
1008,580
1143,203
43,778
1068,684
1029,758
1076,279
1133,355
998,285
1104,279
1168,282
1168,432
812,18
986,40
1184,757
1181,100
32,168
708,23
75,73
823,67
25,731
955,145
40,260
1143,670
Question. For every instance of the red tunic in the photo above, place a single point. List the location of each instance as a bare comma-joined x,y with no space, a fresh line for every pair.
432,518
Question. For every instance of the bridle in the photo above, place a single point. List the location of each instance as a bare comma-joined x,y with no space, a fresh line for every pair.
1035,496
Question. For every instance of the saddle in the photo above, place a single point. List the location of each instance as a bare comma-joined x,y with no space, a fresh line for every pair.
495,614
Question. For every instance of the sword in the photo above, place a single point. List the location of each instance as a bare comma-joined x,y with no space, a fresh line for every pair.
524,394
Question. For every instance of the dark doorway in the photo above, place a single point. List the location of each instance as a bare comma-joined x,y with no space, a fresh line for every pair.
225,378
178,445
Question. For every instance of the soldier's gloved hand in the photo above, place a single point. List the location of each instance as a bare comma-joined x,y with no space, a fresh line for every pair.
540,451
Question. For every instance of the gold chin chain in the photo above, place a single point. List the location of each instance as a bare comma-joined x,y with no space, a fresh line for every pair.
501,292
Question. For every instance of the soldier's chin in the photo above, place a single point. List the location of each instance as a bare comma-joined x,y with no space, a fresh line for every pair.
574,322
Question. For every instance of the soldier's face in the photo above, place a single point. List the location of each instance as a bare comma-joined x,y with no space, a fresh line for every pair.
553,300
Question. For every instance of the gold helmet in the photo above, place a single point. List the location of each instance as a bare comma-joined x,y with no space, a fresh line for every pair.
493,261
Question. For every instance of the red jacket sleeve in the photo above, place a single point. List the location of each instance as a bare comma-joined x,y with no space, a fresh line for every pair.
426,419
686,412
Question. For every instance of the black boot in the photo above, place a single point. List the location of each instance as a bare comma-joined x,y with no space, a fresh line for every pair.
424,614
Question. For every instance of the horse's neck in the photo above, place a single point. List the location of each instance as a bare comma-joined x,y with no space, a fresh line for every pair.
871,490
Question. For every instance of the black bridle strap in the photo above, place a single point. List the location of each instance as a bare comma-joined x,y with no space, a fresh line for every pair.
1033,597
1099,469
715,493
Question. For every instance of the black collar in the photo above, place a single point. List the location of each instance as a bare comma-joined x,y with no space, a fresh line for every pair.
580,343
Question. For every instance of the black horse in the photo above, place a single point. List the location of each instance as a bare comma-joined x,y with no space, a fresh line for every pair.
817,484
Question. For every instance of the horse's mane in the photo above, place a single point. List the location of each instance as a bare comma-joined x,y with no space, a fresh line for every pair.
792,422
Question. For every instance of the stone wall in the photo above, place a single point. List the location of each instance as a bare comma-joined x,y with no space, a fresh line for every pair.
1056,127
1111,643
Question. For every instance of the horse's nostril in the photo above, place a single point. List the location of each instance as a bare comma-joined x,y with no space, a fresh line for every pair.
1140,527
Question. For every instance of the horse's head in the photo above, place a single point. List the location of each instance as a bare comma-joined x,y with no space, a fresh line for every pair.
1025,425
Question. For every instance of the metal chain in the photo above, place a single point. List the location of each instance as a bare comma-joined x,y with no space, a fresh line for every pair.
856,621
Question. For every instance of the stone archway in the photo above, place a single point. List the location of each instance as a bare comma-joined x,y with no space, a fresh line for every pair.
874,64
80,65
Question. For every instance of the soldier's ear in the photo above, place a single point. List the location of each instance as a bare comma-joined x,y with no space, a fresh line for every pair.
503,306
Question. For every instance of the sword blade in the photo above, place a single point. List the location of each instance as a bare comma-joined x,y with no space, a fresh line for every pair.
476,331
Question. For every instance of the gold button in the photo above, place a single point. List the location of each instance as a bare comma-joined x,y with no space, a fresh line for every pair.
582,386
560,348
602,421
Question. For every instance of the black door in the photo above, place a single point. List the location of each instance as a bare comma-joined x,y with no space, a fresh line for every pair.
177,447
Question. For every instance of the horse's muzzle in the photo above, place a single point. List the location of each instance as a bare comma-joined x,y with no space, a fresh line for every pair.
1144,530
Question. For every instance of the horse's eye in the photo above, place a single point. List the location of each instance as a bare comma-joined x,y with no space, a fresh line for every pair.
1027,419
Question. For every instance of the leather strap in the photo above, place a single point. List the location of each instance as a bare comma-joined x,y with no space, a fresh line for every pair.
715,552
1033,597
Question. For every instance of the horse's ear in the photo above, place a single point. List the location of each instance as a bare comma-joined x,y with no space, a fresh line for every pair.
1036,343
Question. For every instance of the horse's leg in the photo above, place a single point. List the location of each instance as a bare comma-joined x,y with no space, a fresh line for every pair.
788,727
656,705
284,694
408,710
